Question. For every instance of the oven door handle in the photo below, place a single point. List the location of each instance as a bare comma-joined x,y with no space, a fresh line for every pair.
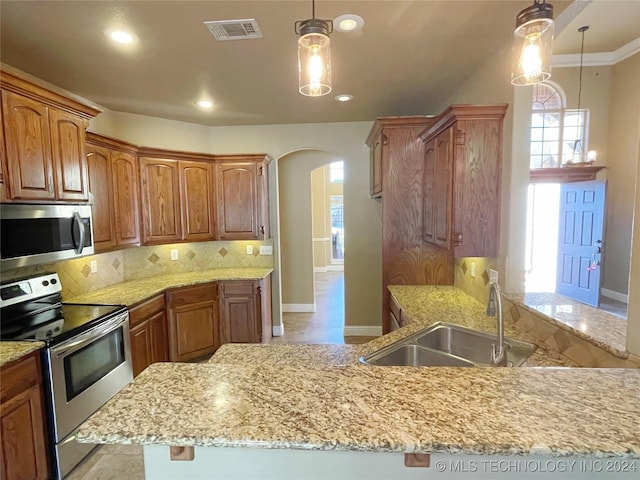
87,337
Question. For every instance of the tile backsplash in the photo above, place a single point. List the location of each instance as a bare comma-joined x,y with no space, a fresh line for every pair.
477,287
144,262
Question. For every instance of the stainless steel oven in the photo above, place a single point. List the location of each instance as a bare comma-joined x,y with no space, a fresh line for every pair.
86,361
36,234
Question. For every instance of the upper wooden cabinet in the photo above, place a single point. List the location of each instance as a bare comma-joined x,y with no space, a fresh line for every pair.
43,143
113,185
462,180
375,168
177,196
242,197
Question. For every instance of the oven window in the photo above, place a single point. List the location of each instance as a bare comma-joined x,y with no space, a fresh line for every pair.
89,364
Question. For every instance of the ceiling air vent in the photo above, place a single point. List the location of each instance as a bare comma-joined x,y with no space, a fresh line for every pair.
234,29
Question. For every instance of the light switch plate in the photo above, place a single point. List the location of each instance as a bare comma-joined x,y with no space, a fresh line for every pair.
94,266
174,254
472,270
249,249
266,250
493,276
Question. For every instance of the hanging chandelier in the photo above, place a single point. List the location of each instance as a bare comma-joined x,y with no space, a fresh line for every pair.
533,44
314,55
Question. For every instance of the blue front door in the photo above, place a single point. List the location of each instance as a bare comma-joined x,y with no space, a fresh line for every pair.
580,240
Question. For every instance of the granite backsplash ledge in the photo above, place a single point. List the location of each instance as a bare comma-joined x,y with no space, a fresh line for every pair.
145,262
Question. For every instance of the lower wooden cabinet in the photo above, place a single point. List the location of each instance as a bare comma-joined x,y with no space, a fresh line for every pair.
23,444
239,310
149,337
193,321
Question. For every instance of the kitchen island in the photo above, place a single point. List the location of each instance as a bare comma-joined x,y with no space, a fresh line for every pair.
316,412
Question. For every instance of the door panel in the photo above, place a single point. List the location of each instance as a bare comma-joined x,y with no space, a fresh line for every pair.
580,240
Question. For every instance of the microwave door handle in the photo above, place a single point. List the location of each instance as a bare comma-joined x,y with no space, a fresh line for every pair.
77,219
88,337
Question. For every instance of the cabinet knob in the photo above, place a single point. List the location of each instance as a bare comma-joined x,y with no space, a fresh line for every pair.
457,239
262,229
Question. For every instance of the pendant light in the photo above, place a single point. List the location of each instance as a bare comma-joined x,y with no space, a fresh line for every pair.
578,156
314,55
533,42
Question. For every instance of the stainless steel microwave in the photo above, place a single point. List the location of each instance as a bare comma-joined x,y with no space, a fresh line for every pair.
36,234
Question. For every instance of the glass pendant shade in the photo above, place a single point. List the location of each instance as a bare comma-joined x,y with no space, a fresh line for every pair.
533,45
314,58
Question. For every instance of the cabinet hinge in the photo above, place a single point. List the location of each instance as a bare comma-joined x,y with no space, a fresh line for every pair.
459,137
385,139
260,171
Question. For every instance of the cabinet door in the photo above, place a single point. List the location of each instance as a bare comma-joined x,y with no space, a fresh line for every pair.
443,171
159,338
376,165
160,201
196,188
237,201
193,322
124,171
429,192
141,343
100,187
69,160
28,148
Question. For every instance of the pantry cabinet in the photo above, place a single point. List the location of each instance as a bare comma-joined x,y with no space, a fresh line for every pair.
462,180
193,321
43,143
23,440
148,334
242,197
113,188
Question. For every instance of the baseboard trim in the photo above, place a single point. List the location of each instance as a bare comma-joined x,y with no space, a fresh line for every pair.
362,331
299,307
319,269
621,297
278,330
335,268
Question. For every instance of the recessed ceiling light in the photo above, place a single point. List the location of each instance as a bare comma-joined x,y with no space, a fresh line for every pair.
121,36
348,22
343,97
205,104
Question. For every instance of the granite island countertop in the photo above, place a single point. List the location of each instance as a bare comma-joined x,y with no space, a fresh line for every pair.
506,411
132,292
11,351
320,397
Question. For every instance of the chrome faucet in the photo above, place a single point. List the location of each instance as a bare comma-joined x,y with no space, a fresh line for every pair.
494,309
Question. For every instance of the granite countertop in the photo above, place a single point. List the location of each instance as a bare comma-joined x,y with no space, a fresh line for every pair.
383,409
134,291
11,351
320,397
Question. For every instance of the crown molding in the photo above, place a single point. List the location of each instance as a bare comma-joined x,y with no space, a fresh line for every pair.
598,59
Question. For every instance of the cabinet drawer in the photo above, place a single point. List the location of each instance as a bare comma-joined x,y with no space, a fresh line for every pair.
192,295
19,376
237,288
145,310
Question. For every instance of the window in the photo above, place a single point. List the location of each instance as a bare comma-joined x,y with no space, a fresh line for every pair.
558,135
336,172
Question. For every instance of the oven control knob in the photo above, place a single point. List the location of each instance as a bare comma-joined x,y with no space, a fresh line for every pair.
53,281
45,283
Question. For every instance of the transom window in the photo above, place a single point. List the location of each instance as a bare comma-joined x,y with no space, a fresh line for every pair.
558,134
336,172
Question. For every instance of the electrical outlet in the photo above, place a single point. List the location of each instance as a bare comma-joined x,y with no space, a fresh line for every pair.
493,276
472,270
174,254
249,250
266,250
94,266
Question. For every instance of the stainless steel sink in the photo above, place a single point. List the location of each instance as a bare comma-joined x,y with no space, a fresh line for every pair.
445,344
415,356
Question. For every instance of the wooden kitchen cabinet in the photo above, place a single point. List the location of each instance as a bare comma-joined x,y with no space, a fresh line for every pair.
193,321
462,180
148,334
242,197
23,440
113,185
43,142
376,154
240,312
177,196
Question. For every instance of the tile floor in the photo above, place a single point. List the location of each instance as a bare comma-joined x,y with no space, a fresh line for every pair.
125,462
